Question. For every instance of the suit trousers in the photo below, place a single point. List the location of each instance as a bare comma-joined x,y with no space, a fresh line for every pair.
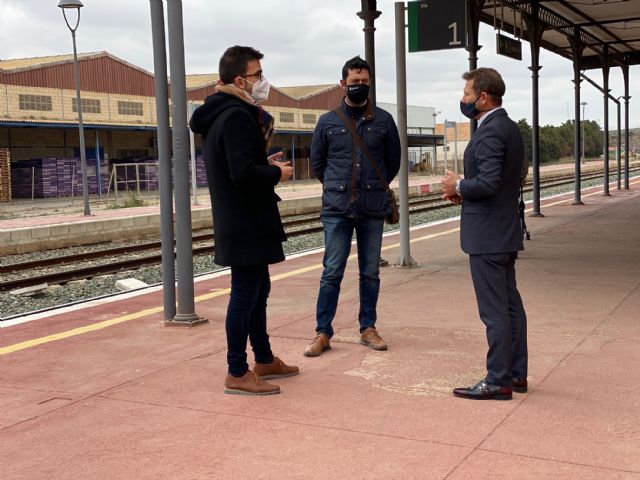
247,317
501,310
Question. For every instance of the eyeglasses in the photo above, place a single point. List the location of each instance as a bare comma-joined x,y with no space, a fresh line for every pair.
257,74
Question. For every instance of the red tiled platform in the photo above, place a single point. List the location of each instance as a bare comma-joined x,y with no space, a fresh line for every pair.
136,400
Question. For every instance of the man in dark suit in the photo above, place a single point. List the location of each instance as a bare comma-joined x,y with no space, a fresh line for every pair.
490,232
247,228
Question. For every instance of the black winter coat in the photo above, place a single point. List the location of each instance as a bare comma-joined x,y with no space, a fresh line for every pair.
246,221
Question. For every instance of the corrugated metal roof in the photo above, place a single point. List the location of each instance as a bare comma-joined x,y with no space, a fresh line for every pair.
201,80
23,64
305,91
20,63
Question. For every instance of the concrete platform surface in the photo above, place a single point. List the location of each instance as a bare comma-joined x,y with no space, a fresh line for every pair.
107,392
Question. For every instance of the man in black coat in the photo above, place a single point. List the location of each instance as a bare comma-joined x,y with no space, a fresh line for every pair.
490,232
248,232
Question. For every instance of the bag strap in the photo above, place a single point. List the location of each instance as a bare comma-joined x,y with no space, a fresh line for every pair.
357,139
525,231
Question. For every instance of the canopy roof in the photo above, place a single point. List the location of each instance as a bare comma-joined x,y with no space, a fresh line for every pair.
601,25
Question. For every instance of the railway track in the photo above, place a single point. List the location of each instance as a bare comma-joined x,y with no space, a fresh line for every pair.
202,245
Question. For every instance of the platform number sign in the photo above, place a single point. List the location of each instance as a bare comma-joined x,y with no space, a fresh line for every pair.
437,25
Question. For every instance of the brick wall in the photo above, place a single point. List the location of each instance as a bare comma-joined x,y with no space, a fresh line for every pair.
62,107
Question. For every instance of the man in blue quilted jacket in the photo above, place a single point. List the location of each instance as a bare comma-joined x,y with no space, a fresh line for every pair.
353,199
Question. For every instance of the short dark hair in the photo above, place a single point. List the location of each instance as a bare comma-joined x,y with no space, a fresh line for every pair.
487,80
234,60
356,63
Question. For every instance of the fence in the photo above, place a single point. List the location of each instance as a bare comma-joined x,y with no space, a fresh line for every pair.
5,175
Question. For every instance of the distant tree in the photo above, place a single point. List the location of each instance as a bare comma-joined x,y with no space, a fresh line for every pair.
551,144
557,142
566,134
526,131
593,139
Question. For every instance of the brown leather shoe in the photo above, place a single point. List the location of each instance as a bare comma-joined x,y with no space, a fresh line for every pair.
520,384
275,369
249,384
371,339
320,344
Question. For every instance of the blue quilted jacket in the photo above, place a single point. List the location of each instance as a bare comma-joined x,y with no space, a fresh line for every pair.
350,184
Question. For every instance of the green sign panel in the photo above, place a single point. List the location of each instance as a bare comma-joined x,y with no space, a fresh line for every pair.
437,25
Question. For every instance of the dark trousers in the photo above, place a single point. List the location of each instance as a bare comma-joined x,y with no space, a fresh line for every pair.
247,317
501,310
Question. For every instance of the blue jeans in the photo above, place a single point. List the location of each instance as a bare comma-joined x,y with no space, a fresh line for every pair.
247,317
338,232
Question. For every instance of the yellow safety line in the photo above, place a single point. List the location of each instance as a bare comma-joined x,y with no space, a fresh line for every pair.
207,296
78,331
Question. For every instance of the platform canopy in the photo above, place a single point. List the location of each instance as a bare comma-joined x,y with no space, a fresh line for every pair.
601,25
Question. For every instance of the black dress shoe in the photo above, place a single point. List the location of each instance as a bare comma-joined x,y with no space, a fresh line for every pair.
520,384
483,391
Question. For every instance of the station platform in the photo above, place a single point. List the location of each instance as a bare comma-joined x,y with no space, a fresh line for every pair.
104,390
55,223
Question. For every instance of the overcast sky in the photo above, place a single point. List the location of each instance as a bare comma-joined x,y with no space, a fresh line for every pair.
304,43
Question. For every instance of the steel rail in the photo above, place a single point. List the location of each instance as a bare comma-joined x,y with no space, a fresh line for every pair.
309,225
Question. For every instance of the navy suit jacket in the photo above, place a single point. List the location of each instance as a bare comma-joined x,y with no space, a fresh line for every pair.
490,221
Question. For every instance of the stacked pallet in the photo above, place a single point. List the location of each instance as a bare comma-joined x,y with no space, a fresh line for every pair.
56,177
5,175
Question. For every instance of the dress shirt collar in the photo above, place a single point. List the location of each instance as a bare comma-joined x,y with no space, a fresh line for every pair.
486,114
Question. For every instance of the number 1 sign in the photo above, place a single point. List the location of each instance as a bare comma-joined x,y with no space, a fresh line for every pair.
437,25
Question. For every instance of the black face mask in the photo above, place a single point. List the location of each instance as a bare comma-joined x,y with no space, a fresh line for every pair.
357,93
469,109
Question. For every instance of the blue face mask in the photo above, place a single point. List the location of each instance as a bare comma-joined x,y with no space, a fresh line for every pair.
469,109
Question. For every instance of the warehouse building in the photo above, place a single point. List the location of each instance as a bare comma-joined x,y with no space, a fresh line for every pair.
39,129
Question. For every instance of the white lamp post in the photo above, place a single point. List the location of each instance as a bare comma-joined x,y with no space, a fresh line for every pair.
69,5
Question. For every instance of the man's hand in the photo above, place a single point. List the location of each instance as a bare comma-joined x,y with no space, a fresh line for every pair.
456,199
448,183
276,157
286,170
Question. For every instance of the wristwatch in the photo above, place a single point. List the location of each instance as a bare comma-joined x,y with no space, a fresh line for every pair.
458,186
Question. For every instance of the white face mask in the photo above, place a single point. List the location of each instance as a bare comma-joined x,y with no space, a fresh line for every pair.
260,91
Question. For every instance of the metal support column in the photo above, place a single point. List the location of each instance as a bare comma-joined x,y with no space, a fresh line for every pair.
617,102
625,73
577,48
83,151
164,159
184,255
369,14
605,87
473,29
404,260
535,31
